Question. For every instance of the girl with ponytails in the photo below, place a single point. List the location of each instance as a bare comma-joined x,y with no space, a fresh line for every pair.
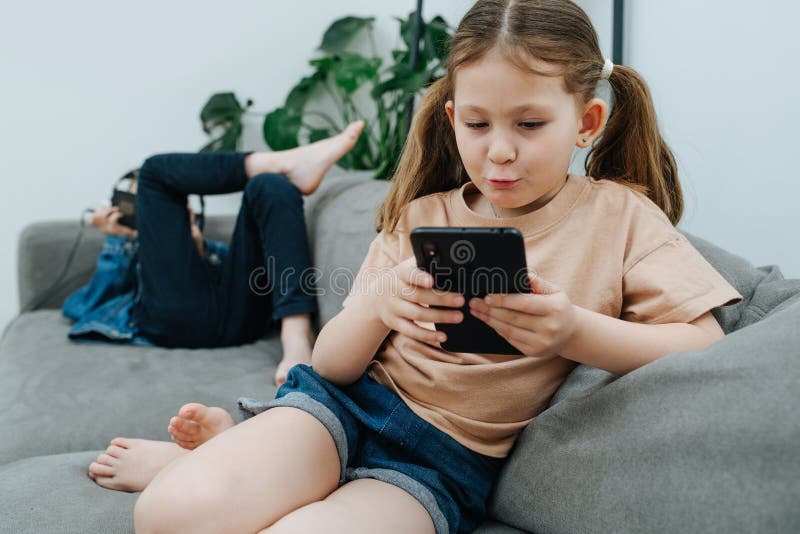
388,432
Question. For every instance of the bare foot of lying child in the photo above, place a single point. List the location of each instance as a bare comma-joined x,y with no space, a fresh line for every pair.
197,423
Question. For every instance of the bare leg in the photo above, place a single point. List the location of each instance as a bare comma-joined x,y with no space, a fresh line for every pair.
130,464
297,338
362,506
263,468
197,423
306,165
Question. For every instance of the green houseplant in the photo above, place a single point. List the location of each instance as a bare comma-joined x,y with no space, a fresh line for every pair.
355,84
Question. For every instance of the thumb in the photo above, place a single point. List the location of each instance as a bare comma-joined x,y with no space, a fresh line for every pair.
541,286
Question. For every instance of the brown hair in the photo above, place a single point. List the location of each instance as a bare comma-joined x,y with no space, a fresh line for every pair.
630,149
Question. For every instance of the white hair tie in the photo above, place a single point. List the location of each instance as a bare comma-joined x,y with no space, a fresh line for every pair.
608,66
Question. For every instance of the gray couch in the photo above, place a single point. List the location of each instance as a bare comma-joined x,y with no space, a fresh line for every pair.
703,441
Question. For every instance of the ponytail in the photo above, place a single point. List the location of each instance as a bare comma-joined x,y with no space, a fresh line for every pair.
631,150
430,162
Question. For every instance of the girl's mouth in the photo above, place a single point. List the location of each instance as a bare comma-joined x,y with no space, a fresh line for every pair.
502,184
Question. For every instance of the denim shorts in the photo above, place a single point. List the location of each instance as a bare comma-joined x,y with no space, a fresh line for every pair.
378,436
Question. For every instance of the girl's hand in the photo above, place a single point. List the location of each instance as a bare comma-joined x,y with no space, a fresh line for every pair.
106,219
538,324
400,295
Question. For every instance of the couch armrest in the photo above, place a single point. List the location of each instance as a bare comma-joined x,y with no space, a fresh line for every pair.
42,253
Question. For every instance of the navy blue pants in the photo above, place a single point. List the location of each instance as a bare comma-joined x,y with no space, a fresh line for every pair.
186,301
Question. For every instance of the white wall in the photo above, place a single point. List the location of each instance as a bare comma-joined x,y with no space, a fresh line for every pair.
724,79
90,88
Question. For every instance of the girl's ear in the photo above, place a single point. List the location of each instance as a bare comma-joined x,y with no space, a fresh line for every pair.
591,123
451,112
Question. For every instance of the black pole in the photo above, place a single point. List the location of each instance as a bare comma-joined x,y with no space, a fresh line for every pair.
415,38
619,28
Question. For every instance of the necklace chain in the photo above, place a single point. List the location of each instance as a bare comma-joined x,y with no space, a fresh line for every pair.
494,211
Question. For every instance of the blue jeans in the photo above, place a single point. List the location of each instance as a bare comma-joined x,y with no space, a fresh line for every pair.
378,436
186,301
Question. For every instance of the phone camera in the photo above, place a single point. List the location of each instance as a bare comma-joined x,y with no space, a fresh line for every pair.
429,249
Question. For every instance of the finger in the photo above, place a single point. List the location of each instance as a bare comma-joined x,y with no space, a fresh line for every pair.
414,331
432,297
518,318
114,217
409,273
542,286
410,310
521,338
529,303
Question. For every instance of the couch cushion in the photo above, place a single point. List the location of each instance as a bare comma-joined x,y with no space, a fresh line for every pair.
54,495
61,396
701,441
342,228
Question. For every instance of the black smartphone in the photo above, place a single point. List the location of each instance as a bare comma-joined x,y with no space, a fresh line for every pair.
472,261
126,202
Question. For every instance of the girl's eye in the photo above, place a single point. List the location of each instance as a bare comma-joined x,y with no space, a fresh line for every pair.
528,125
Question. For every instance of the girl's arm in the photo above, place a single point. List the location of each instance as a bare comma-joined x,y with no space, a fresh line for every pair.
621,346
393,299
347,343
545,322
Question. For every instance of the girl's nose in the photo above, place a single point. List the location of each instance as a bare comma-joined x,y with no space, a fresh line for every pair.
501,151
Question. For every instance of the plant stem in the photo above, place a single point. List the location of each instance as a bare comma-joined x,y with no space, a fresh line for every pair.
335,99
327,118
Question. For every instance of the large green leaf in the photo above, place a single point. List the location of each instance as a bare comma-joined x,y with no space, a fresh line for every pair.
220,108
407,81
351,71
342,31
222,111
281,128
228,141
300,93
318,134
436,39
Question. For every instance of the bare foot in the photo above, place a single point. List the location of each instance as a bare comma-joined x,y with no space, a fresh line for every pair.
305,166
197,423
130,464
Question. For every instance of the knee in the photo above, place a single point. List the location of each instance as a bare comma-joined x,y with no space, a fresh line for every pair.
268,187
149,172
154,167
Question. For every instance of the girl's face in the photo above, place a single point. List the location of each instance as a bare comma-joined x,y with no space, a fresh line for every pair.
516,131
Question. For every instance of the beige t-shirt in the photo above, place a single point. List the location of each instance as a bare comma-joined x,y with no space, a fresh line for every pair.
611,249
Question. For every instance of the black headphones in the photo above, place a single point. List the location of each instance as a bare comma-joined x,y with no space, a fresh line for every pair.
124,198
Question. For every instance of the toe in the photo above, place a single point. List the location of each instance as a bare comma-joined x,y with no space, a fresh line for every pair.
121,442
100,470
180,433
189,427
106,459
106,482
191,410
114,450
